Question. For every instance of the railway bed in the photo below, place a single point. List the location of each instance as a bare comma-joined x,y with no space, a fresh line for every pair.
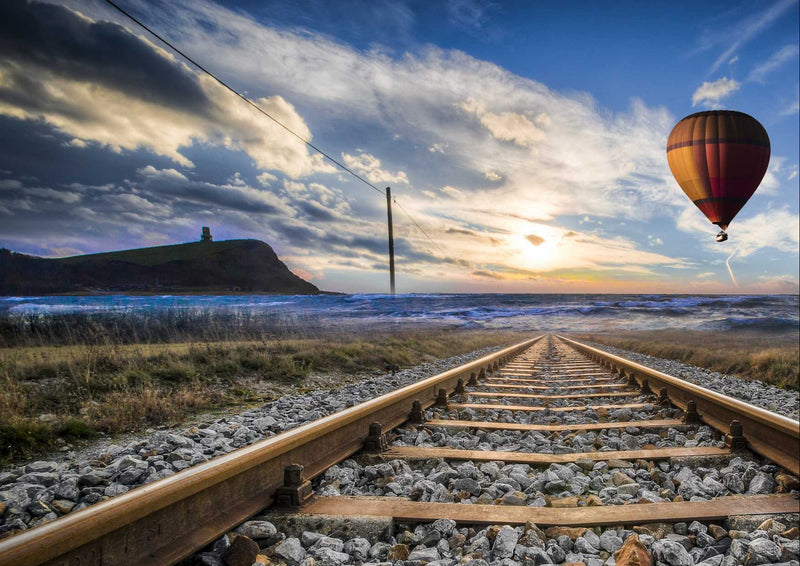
548,432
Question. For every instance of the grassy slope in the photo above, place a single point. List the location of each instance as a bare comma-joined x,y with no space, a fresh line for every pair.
770,357
192,251
121,388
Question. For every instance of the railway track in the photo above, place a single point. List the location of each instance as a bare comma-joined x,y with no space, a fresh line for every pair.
579,438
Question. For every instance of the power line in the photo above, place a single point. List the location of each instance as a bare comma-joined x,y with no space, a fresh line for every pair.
268,115
420,227
247,100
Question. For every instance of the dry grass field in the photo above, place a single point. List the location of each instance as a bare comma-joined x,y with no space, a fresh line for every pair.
80,390
773,358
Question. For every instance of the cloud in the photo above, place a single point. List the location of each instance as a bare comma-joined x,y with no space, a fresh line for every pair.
793,107
521,159
774,62
711,93
266,179
535,240
452,192
776,229
507,126
67,197
750,27
437,148
369,166
96,81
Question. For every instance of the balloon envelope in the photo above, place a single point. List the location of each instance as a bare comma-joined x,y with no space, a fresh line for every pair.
718,158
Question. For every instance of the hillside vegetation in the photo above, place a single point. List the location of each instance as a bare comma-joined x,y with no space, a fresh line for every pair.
198,267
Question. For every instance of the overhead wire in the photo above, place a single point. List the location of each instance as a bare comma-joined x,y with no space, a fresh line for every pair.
270,116
243,97
421,229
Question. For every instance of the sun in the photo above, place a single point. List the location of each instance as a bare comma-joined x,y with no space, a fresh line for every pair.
536,252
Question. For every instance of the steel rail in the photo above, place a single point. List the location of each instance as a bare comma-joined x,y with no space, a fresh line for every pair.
167,520
771,435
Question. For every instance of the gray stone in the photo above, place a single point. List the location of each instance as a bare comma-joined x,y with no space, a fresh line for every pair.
696,527
327,542
763,551
680,539
294,524
739,548
257,530
20,495
331,557
672,553
582,546
291,550
610,542
537,556
424,554
761,484
41,466
504,542
68,489
734,482
556,554
592,538
308,538
467,484
358,549
444,526
628,489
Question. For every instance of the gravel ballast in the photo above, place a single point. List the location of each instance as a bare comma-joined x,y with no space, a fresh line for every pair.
445,543
781,401
41,491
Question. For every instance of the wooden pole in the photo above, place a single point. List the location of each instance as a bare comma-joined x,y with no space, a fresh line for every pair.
391,239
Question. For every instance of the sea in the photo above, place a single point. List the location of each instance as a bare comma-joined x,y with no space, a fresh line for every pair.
550,312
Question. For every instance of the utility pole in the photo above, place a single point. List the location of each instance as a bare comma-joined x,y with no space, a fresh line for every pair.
391,238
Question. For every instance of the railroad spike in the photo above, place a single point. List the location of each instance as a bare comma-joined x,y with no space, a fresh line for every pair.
417,415
376,440
460,387
735,440
663,396
442,399
646,387
296,489
473,380
482,374
691,415
632,380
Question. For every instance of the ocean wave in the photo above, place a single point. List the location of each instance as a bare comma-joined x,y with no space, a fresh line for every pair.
543,312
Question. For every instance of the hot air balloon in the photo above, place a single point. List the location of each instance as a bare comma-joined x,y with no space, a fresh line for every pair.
718,158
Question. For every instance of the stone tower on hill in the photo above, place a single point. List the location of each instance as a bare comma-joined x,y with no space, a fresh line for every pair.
206,235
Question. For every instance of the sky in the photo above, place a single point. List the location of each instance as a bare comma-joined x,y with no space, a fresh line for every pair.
527,139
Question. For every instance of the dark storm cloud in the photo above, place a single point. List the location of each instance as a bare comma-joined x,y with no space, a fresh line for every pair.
56,39
214,196
317,211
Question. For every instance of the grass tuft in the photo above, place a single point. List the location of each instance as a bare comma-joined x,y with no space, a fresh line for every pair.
79,390
773,358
